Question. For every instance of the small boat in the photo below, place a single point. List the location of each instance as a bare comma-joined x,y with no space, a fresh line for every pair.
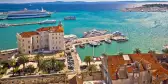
82,46
108,41
70,18
94,43
2,25
47,22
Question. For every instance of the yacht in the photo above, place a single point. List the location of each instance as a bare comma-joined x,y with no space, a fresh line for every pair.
108,41
47,22
27,14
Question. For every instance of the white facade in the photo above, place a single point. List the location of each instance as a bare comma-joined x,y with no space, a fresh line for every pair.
50,38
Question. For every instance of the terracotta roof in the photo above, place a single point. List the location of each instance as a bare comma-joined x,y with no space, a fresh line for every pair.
28,34
113,64
52,29
130,69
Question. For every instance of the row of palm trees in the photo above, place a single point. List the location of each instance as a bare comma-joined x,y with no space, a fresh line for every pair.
42,65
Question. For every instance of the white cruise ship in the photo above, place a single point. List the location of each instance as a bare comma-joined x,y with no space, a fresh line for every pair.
27,14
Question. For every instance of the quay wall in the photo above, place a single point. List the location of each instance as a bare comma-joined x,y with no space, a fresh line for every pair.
40,79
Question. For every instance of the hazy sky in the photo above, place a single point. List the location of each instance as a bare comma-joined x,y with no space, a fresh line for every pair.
26,1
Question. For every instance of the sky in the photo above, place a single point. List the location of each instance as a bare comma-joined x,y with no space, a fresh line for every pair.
28,1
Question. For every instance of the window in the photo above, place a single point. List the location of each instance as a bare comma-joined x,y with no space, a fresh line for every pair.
23,45
53,47
29,52
23,40
55,37
37,46
23,50
28,41
37,41
52,37
56,47
29,47
37,36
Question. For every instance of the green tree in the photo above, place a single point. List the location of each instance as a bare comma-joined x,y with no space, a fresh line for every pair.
165,51
152,51
88,59
30,69
137,51
92,68
23,60
38,58
120,53
12,63
53,63
60,65
45,66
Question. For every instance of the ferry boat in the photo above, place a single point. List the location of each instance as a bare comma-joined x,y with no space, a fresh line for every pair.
70,18
47,22
27,14
2,25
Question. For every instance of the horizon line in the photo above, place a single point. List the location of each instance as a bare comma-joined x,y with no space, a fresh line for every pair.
77,1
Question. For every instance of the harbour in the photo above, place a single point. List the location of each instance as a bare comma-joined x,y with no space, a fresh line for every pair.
128,23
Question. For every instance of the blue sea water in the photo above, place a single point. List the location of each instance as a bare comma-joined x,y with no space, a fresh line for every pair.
145,30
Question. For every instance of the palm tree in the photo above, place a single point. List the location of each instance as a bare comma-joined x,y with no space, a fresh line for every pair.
53,63
88,59
137,51
45,66
60,65
30,69
120,53
165,51
23,60
152,51
37,58
92,68
12,63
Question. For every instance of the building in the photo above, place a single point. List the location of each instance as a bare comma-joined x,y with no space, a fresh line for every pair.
43,39
130,69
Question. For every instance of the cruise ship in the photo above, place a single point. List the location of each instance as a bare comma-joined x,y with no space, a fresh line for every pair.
27,14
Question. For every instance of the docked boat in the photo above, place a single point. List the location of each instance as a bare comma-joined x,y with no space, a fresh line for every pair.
108,41
2,25
70,18
47,22
27,14
117,33
82,46
94,43
94,32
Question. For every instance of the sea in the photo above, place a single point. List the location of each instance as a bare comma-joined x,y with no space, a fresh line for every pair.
145,30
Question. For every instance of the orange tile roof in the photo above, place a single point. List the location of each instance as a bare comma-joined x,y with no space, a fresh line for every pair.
130,69
28,34
147,58
52,29
113,64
